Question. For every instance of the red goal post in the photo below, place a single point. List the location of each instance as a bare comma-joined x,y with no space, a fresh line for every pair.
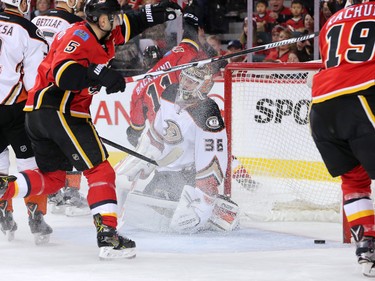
266,115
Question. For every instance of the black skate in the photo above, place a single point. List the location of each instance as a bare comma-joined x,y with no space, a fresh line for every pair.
38,226
7,224
4,180
111,244
366,255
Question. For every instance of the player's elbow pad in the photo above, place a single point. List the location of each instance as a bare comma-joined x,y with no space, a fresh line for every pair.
73,78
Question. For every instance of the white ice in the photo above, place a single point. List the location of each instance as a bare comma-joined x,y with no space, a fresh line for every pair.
282,251
258,251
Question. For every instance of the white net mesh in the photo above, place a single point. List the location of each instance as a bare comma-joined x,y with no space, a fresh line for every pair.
278,174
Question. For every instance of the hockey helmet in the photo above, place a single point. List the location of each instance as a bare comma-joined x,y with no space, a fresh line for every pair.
195,83
151,56
75,4
95,8
17,3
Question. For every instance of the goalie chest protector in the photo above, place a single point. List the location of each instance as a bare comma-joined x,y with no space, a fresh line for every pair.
206,113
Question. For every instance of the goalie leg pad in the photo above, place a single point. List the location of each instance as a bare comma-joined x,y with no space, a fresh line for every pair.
225,215
148,212
193,211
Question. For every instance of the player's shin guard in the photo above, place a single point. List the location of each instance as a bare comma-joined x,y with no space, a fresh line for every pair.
358,205
359,211
31,182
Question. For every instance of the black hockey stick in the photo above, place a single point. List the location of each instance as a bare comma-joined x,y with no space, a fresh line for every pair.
150,75
169,158
127,150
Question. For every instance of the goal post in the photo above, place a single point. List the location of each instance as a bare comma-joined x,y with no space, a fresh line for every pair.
275,166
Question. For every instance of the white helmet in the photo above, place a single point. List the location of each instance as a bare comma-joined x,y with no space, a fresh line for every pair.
67,3
195,83
17,3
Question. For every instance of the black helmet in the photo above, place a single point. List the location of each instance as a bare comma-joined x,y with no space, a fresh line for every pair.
94,8
151,56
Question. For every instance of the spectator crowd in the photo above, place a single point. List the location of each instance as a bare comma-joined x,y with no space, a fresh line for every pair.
272,20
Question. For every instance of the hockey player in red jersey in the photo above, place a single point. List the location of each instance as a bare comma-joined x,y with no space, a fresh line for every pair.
191,185
58,117
22,50
146,94
67,200
342,117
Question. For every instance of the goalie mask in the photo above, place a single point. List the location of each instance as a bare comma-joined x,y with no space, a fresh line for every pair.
194,85
17,4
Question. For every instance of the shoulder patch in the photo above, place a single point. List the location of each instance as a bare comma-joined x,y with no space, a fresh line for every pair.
213,122
81,34
207,115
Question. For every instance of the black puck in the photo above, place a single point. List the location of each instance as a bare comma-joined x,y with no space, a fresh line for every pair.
319,241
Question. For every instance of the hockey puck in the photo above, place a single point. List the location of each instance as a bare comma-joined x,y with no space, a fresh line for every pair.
319,241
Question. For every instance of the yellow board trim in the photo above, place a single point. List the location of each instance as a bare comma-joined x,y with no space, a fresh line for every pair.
287,169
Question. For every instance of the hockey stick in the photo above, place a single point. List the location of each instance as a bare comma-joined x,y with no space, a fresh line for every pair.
169,158
150,75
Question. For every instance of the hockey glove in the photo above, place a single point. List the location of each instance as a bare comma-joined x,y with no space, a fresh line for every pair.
109,78
166,10
133,135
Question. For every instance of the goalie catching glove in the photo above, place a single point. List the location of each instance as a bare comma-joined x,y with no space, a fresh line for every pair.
161,12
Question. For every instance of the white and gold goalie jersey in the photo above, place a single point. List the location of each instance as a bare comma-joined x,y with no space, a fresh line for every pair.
22,48
54,21
199,130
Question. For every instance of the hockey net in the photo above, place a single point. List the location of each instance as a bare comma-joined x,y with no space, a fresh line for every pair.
277,173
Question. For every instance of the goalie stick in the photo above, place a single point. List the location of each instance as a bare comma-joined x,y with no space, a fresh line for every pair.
169,158
150,75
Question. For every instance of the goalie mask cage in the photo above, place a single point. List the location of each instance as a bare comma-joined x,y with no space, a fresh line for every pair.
276,172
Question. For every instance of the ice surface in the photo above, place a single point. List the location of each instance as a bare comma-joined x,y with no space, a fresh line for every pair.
259,251
262,251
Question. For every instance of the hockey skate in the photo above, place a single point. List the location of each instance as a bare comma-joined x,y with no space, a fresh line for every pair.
57,203
4,180
111,244
366,255
38,226
7,224
76,203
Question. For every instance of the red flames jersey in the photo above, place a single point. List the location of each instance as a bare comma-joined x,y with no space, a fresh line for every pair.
347,47
76,45
145,100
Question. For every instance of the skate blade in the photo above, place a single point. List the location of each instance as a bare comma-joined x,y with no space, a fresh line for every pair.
368,269
108,253
57,210
10,235
41,239
76,212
